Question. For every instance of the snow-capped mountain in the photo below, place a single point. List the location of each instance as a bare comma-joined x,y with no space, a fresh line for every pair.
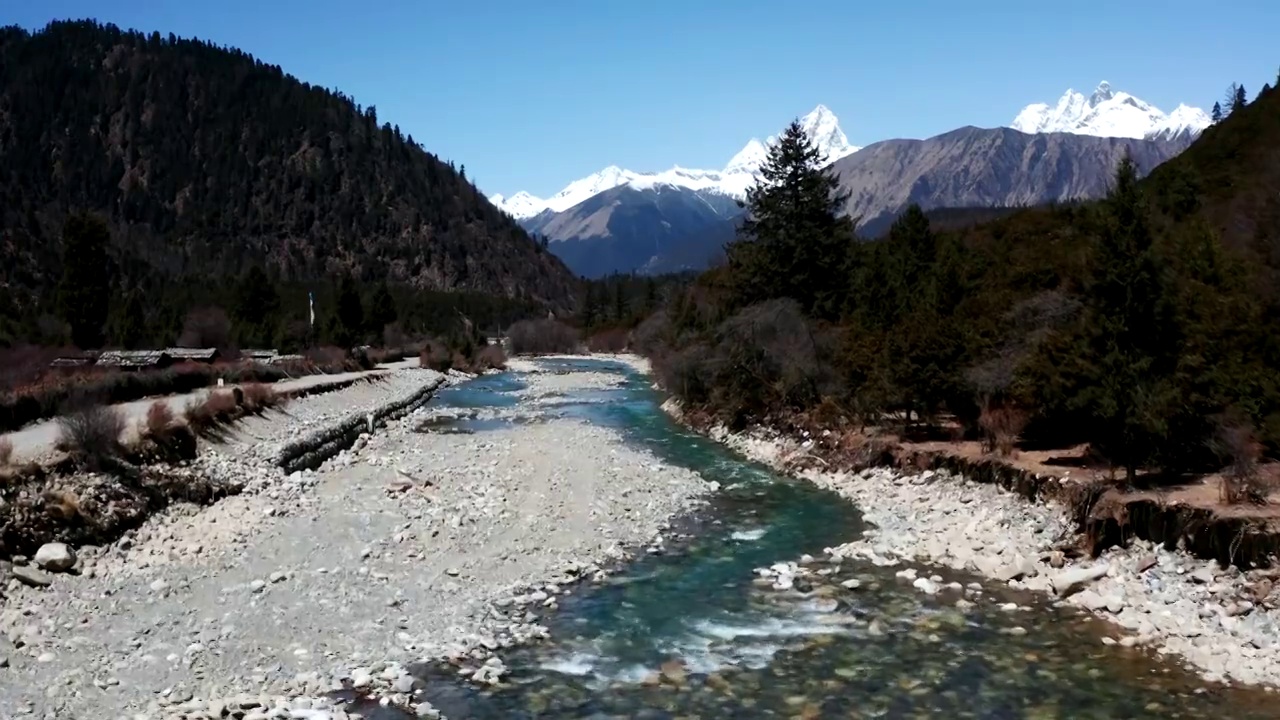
739,174
1110,113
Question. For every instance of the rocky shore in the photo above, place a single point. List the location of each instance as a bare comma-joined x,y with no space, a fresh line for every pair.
314,589
1223,623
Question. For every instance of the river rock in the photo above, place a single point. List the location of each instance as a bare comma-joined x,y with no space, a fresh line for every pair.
34,577
55,557
1071,581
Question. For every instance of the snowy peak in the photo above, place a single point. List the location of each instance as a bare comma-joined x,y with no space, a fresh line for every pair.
738,175
1110,113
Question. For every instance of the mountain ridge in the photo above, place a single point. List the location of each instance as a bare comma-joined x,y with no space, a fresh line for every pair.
733,180
205,161
1110,113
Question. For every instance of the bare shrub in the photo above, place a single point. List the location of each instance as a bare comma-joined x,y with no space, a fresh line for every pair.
542,337
608,341
259,397
206,327
160,419
1236,441
222,405
687,373
769,356
490,357
6,451
651,336
393,336
1001,427
91,434
435,355
329,358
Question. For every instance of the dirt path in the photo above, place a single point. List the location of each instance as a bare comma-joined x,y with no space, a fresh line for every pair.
37,440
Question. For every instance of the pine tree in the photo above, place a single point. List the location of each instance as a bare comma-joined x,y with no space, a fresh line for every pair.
255,304
349,317
1241,99
84,290
1233,92
795,239
381,311
1216,114
619,303
650,295
1126,358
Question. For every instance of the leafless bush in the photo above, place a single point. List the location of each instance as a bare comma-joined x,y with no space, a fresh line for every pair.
206,327
1236,441
687,373
160,419
1001,425
435,355
393,336
91,434
490,357
608,341
259,397
650,336
773,359
215,409
6,451
542,337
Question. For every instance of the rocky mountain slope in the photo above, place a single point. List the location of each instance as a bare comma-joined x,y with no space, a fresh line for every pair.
1059,153
978,167
205,161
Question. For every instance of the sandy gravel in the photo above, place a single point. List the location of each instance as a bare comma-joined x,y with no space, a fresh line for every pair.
410,546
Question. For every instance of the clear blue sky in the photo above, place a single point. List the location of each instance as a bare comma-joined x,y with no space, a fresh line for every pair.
532,94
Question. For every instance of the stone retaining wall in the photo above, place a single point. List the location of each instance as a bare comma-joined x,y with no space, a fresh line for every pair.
310,452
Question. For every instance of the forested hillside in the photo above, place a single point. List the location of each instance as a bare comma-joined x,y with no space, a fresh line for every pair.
1144,324
206,163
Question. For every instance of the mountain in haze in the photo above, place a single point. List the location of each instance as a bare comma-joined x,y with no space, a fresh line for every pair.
205,161
625,227
733,180
1110,113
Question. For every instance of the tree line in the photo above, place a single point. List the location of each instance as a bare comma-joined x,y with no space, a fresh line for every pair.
1132,324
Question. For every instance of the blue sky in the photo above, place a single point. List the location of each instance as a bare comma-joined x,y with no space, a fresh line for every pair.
531,95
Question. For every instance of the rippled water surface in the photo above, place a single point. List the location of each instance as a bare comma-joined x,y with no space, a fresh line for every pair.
881,650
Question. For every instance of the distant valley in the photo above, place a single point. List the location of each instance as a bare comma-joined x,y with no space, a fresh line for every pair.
618,220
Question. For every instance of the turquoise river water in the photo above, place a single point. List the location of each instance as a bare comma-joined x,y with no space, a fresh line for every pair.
885,651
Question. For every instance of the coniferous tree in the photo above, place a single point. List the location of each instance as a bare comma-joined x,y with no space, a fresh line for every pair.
255,304
795,239
350,312
1216,114
1241,99
381,311
84,290
619,303
1126,359
1230,99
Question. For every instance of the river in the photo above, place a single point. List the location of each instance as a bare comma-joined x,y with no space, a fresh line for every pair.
746,651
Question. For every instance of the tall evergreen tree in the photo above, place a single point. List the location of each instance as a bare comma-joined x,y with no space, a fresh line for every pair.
1241,99
1126,354
255,304
1216,114
350,312
619,303
381,311
795,238
84,290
